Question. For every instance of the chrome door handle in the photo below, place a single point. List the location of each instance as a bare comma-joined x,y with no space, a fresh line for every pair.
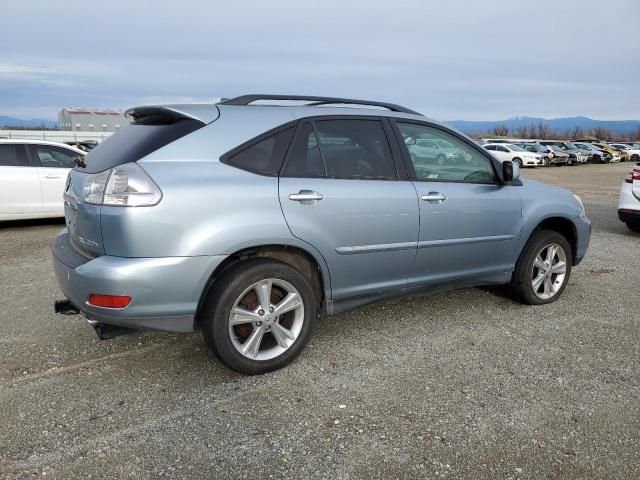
435,197
306,196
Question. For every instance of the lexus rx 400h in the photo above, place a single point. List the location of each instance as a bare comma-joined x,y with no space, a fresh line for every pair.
248,221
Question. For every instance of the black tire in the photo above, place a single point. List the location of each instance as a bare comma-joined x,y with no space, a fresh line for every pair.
635,157
221,299
518,161
521,287
634,226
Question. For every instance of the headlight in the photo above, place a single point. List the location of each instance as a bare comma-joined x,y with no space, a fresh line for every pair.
581,209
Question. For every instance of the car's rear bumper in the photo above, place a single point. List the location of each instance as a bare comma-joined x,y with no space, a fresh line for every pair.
627,215
165,292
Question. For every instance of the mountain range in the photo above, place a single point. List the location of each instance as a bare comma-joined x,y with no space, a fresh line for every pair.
467,126
560,124
7,122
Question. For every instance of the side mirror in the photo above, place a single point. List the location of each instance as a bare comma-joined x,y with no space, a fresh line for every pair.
510,171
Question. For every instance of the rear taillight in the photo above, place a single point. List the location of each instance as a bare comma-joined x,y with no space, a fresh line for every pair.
126,185
108,301
633,175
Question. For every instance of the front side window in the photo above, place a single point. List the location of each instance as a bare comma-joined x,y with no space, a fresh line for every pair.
57,157
343,149
12,155
263,157
457,162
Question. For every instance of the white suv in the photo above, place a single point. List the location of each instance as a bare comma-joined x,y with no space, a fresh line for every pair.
629,204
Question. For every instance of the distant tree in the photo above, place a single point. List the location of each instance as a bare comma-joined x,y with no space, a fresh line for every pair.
543,130
531,131
501,130
602,133
521,131
577,132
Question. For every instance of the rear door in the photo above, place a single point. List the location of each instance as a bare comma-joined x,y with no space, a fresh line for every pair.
340,191
54,164
20,193
469,222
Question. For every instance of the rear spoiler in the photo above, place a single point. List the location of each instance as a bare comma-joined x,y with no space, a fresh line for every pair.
167,114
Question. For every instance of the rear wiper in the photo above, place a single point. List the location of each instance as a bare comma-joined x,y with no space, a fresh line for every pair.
79,161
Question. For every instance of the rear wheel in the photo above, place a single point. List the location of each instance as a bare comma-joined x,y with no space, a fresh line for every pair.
634,226
260,316
543,269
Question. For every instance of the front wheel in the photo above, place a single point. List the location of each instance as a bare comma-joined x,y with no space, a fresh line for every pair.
259,316
518,161
543,269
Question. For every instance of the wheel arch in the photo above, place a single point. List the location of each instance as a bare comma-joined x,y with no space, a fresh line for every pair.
312,267
562,225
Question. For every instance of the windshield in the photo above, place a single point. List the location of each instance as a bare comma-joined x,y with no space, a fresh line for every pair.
516,148
571,146
555,148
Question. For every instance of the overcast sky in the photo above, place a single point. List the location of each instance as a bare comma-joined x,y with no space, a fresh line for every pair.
448,59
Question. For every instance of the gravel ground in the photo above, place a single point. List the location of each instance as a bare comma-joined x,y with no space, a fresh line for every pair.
466,384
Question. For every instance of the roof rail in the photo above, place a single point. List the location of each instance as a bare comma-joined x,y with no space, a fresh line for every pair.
248,99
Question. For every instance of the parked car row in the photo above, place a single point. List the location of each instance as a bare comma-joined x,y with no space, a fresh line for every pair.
559,152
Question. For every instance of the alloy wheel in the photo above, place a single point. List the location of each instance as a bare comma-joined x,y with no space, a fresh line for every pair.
549,271
266,319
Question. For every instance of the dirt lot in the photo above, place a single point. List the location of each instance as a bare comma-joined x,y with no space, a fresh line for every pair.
463,385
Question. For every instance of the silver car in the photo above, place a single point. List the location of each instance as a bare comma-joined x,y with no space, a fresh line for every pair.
248,221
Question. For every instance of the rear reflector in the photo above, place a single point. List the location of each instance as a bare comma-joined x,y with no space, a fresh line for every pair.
109,301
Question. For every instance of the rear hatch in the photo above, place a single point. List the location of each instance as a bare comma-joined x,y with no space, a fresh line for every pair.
151,128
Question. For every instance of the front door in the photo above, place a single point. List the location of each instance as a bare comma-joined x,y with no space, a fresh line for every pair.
469,222
54,164
340,192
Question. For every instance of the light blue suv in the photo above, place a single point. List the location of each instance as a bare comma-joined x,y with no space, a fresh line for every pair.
249,218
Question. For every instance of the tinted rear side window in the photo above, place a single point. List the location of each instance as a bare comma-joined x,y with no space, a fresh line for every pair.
305,159
355,149
263,157
135,141
12,155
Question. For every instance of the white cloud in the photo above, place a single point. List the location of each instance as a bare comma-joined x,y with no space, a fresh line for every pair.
463,59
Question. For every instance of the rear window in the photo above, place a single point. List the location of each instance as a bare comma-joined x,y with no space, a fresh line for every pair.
12,155
263,157
136,141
